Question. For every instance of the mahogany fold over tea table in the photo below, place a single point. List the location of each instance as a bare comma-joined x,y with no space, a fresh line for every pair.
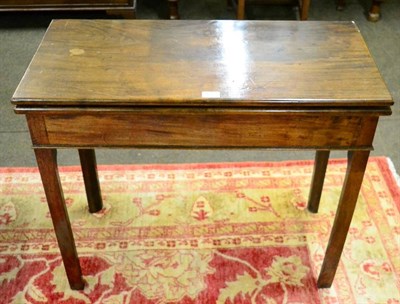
201,84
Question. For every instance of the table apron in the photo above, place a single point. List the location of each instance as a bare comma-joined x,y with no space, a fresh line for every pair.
197,129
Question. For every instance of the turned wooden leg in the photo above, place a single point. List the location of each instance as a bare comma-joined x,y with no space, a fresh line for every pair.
374,13
240,9
304,7
91,179
357,162
47,163
317,182
173,9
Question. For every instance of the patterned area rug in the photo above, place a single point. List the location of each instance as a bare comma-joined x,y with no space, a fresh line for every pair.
201,233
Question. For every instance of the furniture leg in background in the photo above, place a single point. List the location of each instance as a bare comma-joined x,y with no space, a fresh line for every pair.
340,5
374,13
304,6
173,9
240,9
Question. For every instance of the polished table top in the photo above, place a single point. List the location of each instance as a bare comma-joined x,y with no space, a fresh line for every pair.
203,63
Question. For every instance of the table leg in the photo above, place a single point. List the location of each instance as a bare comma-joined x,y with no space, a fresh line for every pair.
374,13
340,5
317,183
173,9
357,162
47,163
240,9
91,179
304,8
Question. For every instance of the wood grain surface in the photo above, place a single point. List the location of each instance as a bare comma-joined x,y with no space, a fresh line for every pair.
202,63
196,128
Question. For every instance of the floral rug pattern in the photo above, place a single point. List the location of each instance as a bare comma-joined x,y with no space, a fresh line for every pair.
201,233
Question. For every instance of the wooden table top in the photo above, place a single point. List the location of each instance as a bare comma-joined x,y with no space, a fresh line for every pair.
202,63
